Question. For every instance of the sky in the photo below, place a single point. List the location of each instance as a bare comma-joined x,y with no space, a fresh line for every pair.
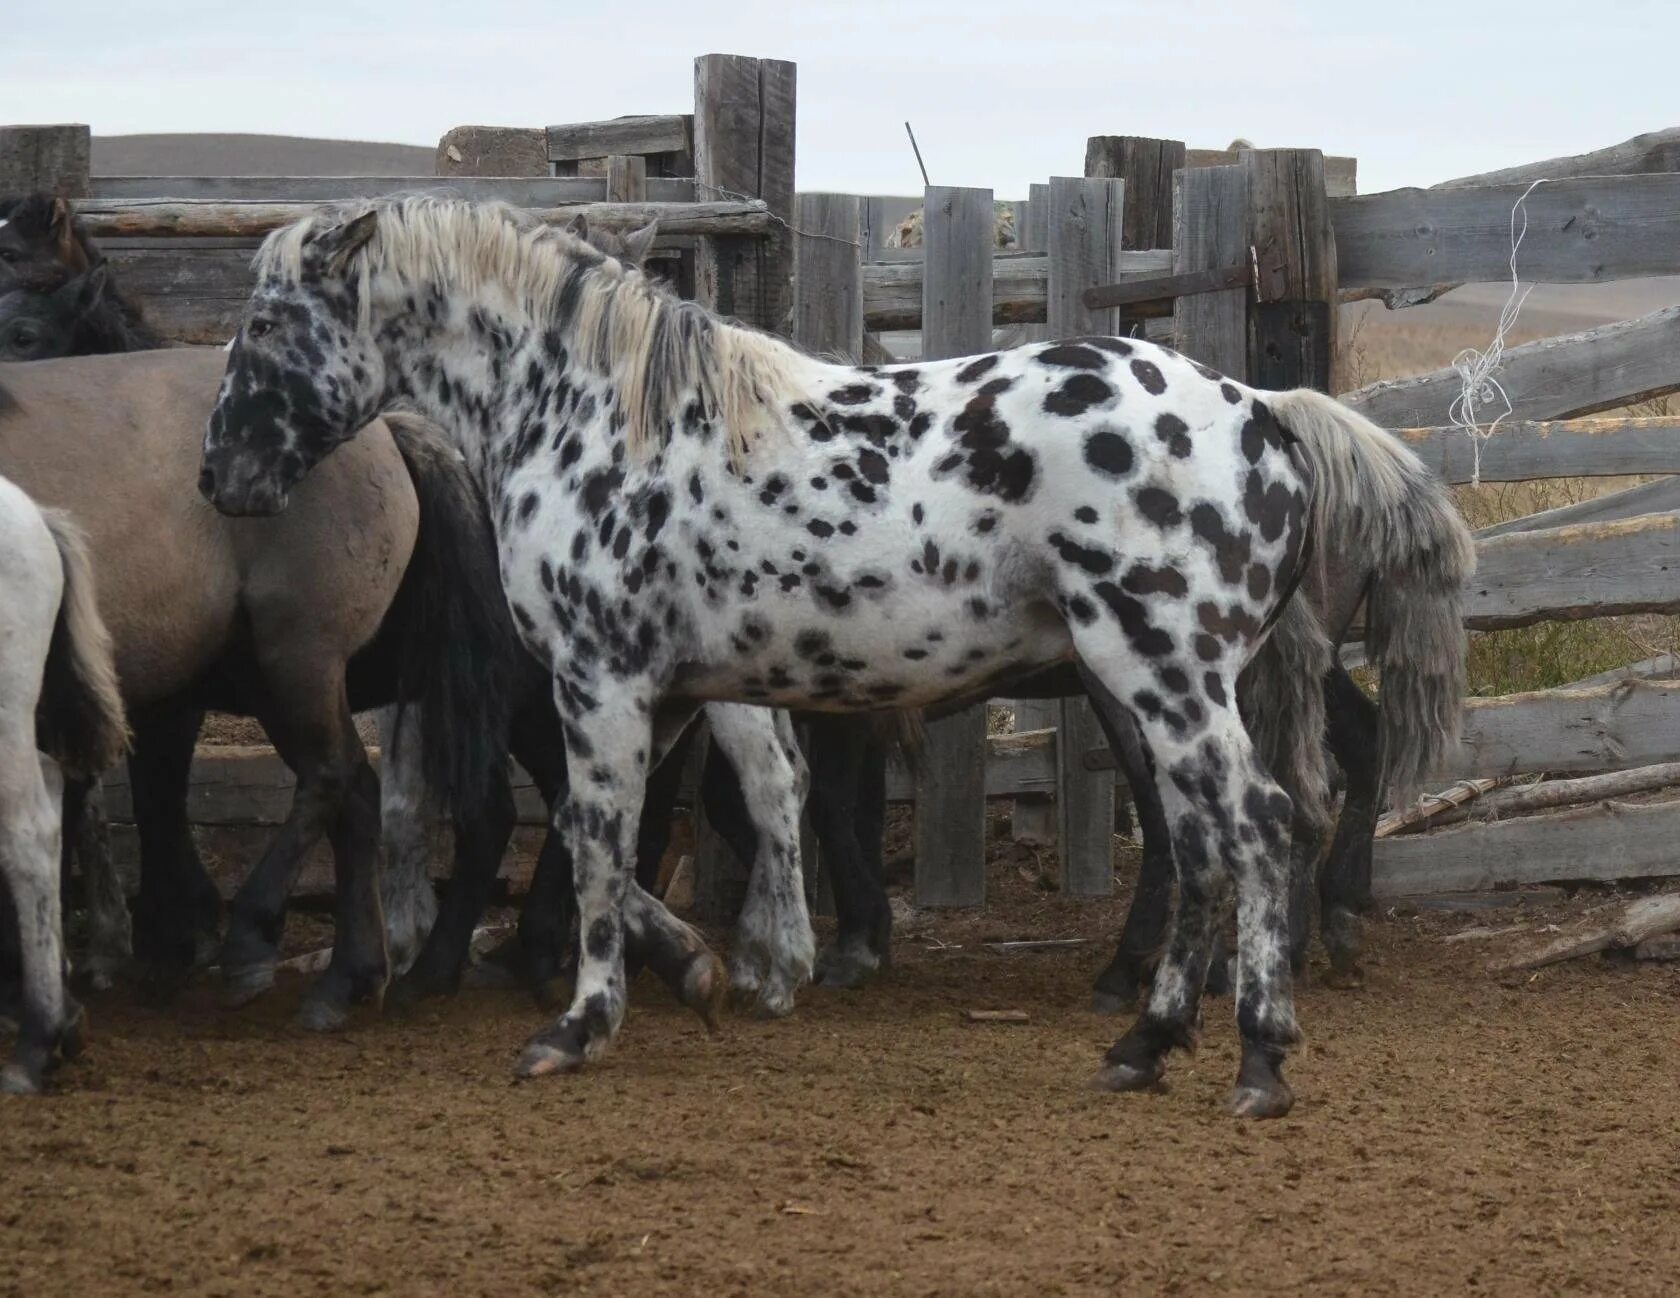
1000,95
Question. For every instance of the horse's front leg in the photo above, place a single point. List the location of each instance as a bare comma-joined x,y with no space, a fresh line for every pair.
610,746
776,947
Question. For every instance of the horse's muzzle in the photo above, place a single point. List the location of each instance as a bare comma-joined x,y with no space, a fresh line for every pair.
238,492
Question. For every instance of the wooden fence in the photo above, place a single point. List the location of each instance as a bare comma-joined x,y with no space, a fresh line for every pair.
1242,259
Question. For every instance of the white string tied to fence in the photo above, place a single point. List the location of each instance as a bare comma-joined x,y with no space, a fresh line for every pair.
1477,369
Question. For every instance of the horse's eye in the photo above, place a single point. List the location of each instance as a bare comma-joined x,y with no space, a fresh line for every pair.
257,328
25,337
8,255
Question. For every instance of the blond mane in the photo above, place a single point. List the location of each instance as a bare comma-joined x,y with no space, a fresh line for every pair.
658,351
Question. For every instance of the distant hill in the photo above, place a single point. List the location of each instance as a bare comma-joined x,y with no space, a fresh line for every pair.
254,155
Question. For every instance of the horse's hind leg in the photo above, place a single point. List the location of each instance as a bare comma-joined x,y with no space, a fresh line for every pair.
177,916
1229,822
840,760
775,947
30,810
1345,882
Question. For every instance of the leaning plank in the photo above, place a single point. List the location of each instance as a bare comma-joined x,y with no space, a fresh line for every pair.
105,217
521,191
1434,807
1628,926
1556,378
665,133
1654,151
1550,794
1524,449
1659,667
1615,840
1656,497
1629,565
892,290
1580,231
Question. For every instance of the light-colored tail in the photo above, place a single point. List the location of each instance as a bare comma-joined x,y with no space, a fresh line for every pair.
80,720
1377,505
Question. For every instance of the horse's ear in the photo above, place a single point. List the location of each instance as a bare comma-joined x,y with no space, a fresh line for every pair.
59,219
638,243
91,287
579,226
339,244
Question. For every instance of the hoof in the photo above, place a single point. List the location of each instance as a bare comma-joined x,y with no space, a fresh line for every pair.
1130,1077
705,986
845,968
322,1016
1113,1002
762,1002
242,985
542,1057
15,1079
1271,1101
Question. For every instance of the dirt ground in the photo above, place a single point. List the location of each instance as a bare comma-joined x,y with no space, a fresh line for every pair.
1456,1131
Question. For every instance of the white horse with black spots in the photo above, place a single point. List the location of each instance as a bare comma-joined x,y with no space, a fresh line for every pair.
60,711
691,511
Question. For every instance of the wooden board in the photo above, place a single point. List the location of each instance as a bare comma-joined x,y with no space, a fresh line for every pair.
892,290
194,296
1292,322
1086,226
1629,565
1654,151
1607,727
1210,229
828,280
1521,450
1341,175
1556,378
949,831
663,133
521,191
1147,166
54,158
1656,497
1605,842
1580,231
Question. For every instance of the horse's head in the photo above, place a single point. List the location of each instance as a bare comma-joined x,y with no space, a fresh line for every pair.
632,249
37,326
304,372
41,244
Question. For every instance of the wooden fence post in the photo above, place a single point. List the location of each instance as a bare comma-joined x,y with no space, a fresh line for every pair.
1084,243
1210,231
744,112
950,827
57,159
626,178
1147,167
827,321
1292,325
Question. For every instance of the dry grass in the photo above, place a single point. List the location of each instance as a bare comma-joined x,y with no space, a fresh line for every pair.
1374,348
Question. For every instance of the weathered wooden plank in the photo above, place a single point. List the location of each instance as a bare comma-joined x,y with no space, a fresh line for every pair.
1629,565
521,191
1033,819
52,158
744,112
1147,166
627,178
1608,842
1032,235
1521,450
1210,229
109,217
196,296
1607,727
1341,175
1657,497
492,151
1580,231
1087,224
892,291
1556,378
1164,290
1654,151
950,821
660,133
828,275
1292,322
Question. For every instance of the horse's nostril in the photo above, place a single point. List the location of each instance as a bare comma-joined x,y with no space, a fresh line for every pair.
206,482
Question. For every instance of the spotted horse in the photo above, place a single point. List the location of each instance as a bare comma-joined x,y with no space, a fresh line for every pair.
691,511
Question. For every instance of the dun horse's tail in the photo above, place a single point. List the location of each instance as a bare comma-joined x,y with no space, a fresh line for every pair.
1377,501
79,720
459,645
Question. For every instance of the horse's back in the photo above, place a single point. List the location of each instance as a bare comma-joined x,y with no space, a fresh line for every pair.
116,441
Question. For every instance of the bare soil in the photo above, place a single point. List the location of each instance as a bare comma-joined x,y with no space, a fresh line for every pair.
1455,1132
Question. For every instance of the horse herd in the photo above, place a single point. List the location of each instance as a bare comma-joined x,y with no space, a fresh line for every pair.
490,476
